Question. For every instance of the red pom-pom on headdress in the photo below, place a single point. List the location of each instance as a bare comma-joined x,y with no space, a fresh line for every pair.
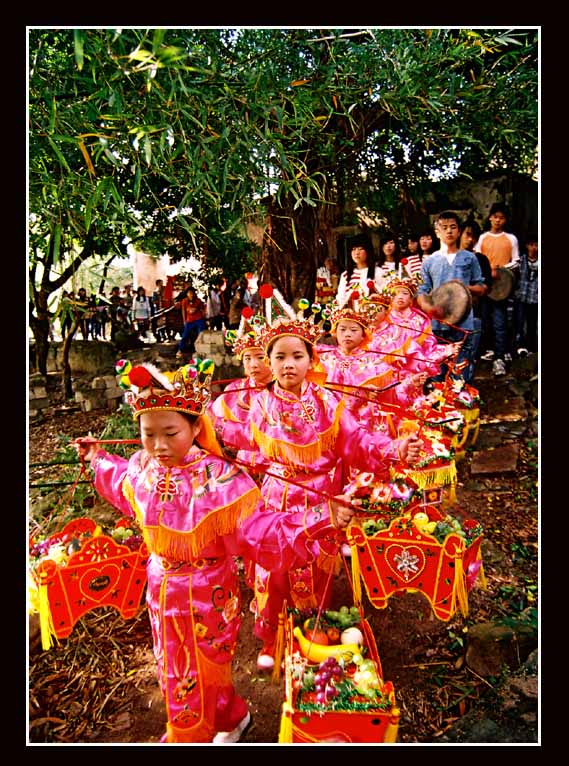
266,291
247,312
140,377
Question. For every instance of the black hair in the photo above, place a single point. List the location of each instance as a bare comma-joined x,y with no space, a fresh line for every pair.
362,241
271,343
447,215
532,237
429,232
389,237
472,224
498,207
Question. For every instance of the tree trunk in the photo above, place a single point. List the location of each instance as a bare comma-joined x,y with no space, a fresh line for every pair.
302,236
39,319
66,376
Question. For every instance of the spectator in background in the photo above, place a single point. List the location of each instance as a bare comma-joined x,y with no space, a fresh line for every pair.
326,281
80,309
389,257
158,324
428,242
193,315
236,306
141,312
468,240
64,312
214,309
526,299
502,249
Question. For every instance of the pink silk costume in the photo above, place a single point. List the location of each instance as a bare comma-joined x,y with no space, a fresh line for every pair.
196,518
233,404
311,441
414,324
367,369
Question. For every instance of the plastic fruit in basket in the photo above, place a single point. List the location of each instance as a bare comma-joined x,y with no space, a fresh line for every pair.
319,652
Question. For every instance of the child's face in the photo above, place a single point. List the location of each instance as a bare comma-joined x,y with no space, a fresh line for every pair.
426,243
448,231
389,249
290,361
359,257
467,239
497,221
379,317
532,248
412,246
402,299
167,436
349,335
255,366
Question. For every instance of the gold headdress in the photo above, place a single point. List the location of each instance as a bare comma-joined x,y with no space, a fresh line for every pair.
281,319
187,389
247,334
410,283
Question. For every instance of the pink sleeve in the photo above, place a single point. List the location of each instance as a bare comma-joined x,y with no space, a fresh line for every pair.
281,541
363,450
110,473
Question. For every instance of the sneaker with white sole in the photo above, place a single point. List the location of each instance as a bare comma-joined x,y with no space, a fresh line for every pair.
507,357
488,356
227,737
265,661
499,368
522,352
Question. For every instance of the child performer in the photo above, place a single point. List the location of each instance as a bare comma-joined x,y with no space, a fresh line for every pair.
197,512
234,402
312,442
413,324
352,366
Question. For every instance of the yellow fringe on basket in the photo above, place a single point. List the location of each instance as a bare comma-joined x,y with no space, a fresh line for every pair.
393,726
46,622
298,454
356,576
434,477
329,562
279,648
461,593
285,731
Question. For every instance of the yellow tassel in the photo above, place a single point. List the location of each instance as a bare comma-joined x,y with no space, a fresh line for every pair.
482,574
393,726
46,623
298,454
285,731
356,577
279,648
460,590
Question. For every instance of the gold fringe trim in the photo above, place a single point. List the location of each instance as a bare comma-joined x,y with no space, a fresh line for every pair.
298,454
356,576
227,413
470,415
46,622
460,590
393,726
434,477
279,648
328,562
181,546
285,730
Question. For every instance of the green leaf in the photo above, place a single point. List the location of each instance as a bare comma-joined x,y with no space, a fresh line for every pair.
78,41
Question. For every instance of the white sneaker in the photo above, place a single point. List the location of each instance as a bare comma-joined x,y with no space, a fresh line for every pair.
522,352
507,357
233,736
488,356
265,662
499,368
